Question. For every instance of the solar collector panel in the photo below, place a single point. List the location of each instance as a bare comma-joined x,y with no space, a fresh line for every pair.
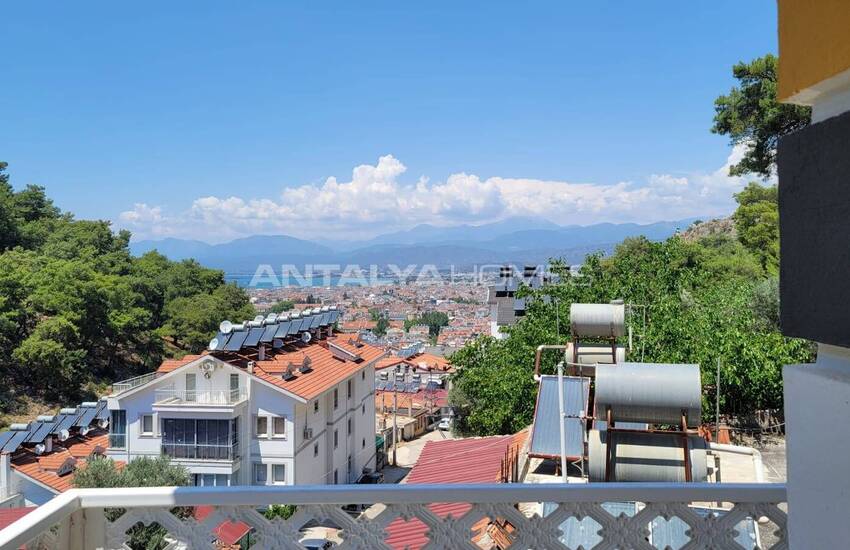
86,417
236,340
42,430
67,422
295,327
15,441
268,333
102,411
254,336
222,340
283,329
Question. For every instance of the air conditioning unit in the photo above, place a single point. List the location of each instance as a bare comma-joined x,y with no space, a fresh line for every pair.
308,433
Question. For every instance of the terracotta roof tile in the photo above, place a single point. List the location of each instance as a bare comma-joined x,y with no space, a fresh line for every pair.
171,364
45,468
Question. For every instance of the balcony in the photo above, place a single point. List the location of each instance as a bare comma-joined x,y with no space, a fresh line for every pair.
170,396
194,451
130,383
76,520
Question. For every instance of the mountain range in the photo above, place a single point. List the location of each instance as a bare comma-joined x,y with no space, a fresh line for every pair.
515,240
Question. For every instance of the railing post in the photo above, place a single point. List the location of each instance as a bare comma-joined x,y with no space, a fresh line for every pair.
95,529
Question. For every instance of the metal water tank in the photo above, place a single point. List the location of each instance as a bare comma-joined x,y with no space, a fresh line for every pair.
598,320
643,456
649,392
590,354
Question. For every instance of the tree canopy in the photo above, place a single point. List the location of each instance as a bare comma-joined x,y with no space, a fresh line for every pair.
77,310
692,302
750,115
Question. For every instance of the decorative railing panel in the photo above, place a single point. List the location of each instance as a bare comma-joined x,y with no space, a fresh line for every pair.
482,516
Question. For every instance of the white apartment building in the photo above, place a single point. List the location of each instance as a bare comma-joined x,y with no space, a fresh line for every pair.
276,401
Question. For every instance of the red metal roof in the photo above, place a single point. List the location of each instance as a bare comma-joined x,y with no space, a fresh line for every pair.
475,460
227,532
45,468
8,516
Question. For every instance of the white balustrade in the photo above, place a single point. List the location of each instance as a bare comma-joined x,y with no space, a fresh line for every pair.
169,396
77,519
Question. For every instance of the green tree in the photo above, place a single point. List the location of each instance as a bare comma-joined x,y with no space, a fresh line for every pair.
381,326
757,223
282,306
142,472
750,115
435,320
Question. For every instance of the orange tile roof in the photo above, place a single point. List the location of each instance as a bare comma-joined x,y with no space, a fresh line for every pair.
171,364
44,468
327,370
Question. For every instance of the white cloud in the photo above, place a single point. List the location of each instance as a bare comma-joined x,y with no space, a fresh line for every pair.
376,200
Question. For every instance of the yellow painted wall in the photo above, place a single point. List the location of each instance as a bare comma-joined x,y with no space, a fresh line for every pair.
814,42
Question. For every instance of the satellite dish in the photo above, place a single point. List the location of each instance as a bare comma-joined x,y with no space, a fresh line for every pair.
306,337
40,448
226,327
64,434
213,344
85,430
103,423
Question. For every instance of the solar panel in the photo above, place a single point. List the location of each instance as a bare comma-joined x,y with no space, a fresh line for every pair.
254,336
68,421
222,340
40,431
297,324
102,411
15,441
334,316
236,339
283,329
5,437
381,386
432,386
412,387
88,414
544,435
268,333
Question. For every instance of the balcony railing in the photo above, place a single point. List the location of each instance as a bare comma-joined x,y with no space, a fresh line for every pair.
194,451
197,397
131,383
76,519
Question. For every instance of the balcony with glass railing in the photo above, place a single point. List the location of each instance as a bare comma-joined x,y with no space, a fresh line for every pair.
171,396
130,383
741,516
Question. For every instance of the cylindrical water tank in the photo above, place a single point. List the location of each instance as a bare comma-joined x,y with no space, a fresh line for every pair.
590,354
598,320
649,392
642,456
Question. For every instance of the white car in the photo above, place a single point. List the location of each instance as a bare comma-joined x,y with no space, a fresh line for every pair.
445,424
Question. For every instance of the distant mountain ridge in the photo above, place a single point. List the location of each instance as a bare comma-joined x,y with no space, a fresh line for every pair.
513,240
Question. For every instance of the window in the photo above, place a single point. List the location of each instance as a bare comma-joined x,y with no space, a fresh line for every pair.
234,387
278,473
363,408
316,406
349,389
348,426
147,424
363,444
363,375
315,449
190,387
200,439
118,429
260,473
336,477
279,426
211,480
336,439
336,398
261,426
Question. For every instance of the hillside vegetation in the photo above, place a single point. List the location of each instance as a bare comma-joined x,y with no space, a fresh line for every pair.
77,311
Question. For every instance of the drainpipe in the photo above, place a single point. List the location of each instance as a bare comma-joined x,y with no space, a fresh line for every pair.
737,449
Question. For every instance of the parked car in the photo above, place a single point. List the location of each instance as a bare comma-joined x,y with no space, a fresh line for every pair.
445,424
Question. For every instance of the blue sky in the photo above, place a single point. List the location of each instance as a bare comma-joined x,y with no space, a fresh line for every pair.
181,118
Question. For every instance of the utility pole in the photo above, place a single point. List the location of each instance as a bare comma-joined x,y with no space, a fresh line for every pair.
717,406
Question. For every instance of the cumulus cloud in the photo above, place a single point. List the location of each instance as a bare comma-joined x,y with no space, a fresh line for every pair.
377,199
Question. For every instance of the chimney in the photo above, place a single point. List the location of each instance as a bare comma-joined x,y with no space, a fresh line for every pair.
251,366
262,353
48,444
